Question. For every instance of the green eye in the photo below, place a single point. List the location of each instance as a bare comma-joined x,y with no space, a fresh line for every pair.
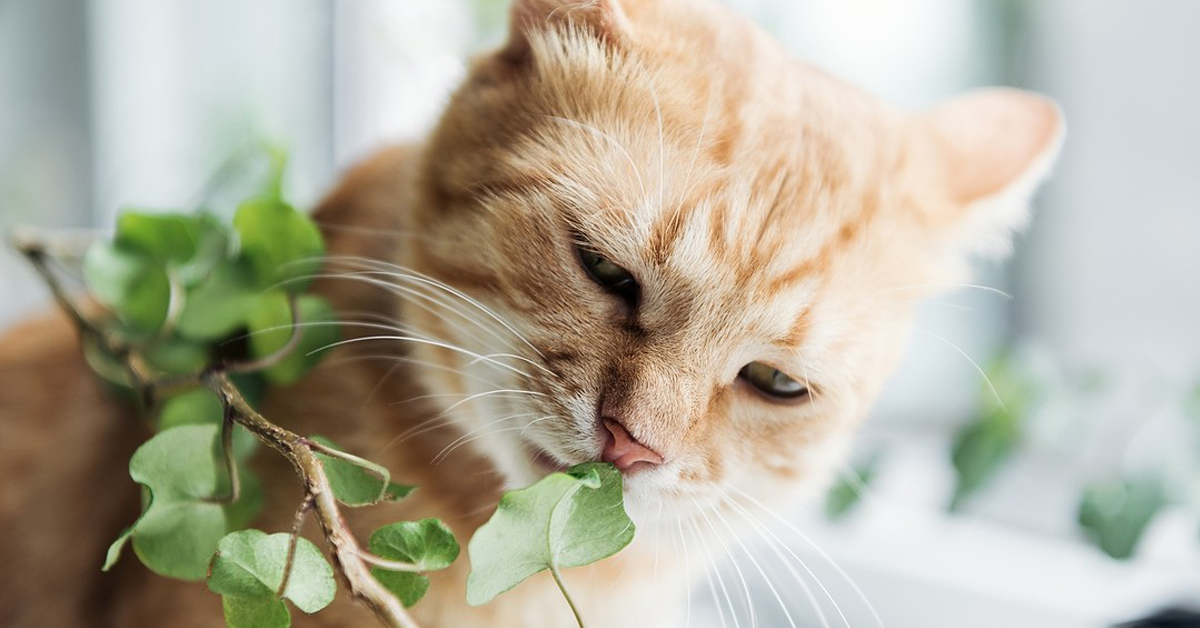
610,276
772,382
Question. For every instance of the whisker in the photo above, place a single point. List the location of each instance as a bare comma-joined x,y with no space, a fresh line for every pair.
761,571
774,543
710,573
829,559
733,561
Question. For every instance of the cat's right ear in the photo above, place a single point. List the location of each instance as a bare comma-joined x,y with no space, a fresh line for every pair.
603,19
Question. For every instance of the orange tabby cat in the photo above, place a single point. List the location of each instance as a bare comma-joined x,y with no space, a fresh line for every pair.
641,233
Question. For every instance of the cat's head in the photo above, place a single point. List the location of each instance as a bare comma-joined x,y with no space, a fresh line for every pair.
668,244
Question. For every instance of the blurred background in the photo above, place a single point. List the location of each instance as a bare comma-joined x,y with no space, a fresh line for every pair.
1036,461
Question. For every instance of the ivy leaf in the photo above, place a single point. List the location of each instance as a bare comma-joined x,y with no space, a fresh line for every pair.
219,305
161,237
212,248
248,569
180,528
564,520
281,244
355,485
250,502
114,550
270,326
133,285
428,544
260,611
177,356
1115,513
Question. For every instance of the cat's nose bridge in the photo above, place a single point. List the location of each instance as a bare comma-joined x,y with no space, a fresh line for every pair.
654,403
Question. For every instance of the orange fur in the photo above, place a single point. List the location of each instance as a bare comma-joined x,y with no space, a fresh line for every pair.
769,212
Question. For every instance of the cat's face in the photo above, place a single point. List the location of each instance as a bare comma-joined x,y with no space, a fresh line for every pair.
672,234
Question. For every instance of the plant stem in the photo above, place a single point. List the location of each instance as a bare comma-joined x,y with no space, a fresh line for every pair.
566,594
297,523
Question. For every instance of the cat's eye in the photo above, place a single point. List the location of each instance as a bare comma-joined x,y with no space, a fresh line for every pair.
772,381
608,275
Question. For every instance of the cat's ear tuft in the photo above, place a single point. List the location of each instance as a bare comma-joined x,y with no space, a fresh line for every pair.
992,148
602,18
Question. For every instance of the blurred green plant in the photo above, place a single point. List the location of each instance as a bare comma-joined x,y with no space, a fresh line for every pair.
1114,513
984,444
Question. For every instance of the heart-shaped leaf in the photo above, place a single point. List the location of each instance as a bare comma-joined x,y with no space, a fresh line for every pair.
133,285
161,237
181,526
564,520
270,324
248,569
427,544
282,245
356,484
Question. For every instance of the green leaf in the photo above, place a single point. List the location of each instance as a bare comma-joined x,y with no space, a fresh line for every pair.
220,304
428,544
281,244
212,248
261,611
176,538
250,563
356,485
160,237
114,550
180,528
270,327
133,285
245,510
565,520
1114,513
177,356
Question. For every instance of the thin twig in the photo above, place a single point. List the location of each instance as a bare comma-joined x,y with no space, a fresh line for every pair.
231,468
293,541
277,356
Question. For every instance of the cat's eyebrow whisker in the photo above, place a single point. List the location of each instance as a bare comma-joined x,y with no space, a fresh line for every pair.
685,189
624,152
978,369
766,579
947,286
662,147
775,544
820,552
733,561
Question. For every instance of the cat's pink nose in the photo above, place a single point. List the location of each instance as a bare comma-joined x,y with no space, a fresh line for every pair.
625,452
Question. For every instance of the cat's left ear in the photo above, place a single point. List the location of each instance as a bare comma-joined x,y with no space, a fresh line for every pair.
991,148
603,19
